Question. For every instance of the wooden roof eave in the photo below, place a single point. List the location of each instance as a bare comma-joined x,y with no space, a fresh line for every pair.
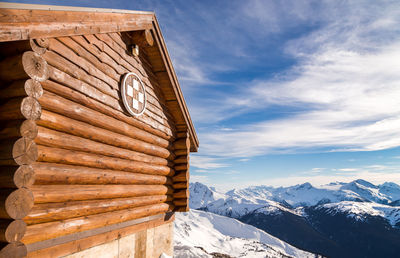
27,21
175,85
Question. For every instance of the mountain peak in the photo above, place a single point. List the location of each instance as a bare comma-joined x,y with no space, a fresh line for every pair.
364,183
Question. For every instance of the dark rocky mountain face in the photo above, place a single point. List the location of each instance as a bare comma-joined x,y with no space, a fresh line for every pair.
356,219
331,235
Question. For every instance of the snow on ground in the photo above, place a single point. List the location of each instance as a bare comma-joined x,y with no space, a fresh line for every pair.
359,210
199,233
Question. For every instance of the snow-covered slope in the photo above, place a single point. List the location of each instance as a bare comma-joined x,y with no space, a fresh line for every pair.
363,210
200,234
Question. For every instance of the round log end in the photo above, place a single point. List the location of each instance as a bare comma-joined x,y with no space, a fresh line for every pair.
31,108
29,129
24,176
149,37
19,203
33,88
36,45
14,250
15,231
35,66
25,151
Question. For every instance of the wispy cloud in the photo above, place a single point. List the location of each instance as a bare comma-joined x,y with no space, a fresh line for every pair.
206,163
348,79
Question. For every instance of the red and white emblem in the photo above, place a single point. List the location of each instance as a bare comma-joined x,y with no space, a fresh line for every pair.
133,94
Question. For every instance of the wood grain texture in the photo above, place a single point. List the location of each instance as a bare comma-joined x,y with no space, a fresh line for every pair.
65,193
60,228
12,231
56,174
47,212
15,204
13,129
63,156
16,176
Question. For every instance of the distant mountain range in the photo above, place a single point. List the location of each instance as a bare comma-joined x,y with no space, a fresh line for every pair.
356,219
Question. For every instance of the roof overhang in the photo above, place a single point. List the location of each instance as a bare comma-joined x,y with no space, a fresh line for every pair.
27,21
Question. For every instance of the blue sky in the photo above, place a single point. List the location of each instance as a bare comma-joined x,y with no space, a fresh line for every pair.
284,92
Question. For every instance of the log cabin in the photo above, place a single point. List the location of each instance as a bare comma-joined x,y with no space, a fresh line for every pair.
95,134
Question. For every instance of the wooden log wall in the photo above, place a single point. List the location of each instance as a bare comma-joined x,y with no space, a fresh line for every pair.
71,158
22,71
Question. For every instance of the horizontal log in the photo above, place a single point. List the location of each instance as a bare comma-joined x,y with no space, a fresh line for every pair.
12,231
89,98
182,143
181,185
69,71
180,202
76,111
181,152
46,212
106,137
181,159
20,108
15,204
181,194
93,59
55,174
76,61
66,193
13,250
39,45
11,68
22,152
18,128
16,176
22,88
55,155
142,38
182,176
35,66
60,228
181,167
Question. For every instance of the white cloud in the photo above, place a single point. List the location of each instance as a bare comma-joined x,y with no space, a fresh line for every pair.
205,163
346,87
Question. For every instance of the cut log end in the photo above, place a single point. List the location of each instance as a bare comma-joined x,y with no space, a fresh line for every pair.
35,66
149,37
25,151
29,129
14,231
24,176
19,203
33,88
31,108
14,250
36,46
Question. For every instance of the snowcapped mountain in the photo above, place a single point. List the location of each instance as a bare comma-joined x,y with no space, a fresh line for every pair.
336,220
239,202
204,234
